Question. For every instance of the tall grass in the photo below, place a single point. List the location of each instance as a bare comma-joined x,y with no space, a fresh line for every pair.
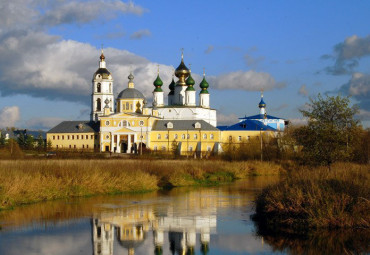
317,198
28,181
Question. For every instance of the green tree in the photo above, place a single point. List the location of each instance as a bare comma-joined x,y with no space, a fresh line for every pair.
30,142
40,142
331,130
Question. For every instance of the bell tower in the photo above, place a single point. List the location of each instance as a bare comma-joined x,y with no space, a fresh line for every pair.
102,90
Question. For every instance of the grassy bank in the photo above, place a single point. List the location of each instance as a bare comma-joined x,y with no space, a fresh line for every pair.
317,198
29,181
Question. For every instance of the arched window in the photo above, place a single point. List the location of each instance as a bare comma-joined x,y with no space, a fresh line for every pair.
98,104
195,136
98,88
204,136
183,136
127,106
124,123
159,136
176,136
211,136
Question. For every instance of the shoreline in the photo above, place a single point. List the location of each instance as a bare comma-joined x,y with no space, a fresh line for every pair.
30,181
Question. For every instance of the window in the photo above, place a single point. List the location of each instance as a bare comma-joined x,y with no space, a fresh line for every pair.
107,123
77,137
133,123
127,106
211,136
87,146
98,104
208,148
74,146
57,146
159,136
155,148
230,138
195,136
124,123
169,125
248,138
82,137
176,136
131,107
68,137
70,146
73,137
91,137
123,107
141,123
62,137
197,125
107,137
110,87
239,138
204,136
83,146
188,136
53,137
58,137
183,136
163,148
98,88
166,136
190,149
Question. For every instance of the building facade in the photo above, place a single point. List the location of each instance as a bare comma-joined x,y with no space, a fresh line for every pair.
183,126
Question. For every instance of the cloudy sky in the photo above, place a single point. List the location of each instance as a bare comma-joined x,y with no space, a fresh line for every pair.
292,50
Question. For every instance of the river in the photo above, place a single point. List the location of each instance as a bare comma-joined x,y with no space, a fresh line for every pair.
192,220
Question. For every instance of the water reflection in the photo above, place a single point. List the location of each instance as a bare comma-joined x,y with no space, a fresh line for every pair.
177,222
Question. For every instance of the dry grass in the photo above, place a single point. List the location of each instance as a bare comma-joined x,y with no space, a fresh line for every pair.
318,198
29,181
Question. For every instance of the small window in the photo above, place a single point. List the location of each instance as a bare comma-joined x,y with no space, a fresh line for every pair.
169,125
62,137
159,136
87,146
57,146
123,107
107,123
155,148
91,137
176,136
188,136
133,123
131,107
124,123
73,137
239,138
83,146
166,136
107,137
141,123
98,88
53,137
211,136
82,137
58,137
68,137
163,148
183,136
204,136
195,136
77,137
208,148
197,125
190,149
248,138
230,138
74,146
127,106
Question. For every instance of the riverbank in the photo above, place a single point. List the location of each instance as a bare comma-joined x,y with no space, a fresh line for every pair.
317,198
30,181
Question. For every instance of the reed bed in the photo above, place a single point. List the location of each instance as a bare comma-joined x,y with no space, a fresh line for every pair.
29,181
317,198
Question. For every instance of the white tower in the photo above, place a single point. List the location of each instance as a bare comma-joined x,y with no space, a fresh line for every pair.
158,92
102,89
204,95
262,105
190,91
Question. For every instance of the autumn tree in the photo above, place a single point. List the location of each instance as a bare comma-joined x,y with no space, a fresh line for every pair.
330,132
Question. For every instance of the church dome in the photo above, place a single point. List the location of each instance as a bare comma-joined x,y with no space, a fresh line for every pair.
262,103
204,86
130,93
104,72
172,87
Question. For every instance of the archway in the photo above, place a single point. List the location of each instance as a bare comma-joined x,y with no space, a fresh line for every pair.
123,147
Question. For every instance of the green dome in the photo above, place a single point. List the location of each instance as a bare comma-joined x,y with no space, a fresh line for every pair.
158,83
172,87
204,86
190,81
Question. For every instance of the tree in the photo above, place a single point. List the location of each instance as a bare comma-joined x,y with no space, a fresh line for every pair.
40,142
330,132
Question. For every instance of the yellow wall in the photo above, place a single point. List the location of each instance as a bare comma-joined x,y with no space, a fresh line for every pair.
240,136
160,142
87,141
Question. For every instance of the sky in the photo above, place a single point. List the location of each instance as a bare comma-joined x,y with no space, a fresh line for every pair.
292,50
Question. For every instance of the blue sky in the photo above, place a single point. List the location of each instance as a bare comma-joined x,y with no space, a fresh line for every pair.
292,50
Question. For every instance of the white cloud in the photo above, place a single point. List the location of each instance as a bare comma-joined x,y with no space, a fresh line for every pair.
253,61
298,121
223,119
9,116
43,123
140,34
303,90
359,88
249,80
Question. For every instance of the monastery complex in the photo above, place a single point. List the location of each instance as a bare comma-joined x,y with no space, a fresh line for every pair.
127,124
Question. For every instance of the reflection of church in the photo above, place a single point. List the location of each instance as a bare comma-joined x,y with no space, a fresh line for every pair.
180,225
127,124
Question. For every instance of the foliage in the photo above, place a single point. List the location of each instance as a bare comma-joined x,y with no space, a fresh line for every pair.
40,143
331,130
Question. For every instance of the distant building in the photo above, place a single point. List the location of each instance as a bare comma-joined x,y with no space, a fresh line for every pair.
129,125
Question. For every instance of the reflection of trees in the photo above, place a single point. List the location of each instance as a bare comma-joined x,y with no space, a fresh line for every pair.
318,242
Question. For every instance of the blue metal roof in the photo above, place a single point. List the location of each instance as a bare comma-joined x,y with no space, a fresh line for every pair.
247,125
262,102
259,117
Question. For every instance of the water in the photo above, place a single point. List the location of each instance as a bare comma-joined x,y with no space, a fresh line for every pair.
214,220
